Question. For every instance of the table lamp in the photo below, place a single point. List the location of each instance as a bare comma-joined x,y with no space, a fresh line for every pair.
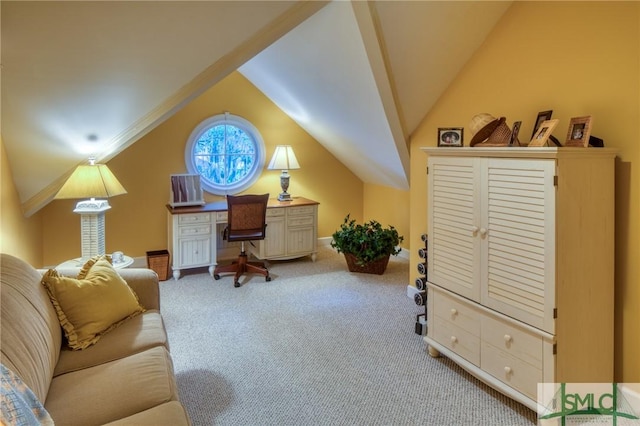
284,159
91,181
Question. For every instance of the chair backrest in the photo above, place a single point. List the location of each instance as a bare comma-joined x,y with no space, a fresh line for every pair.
247,217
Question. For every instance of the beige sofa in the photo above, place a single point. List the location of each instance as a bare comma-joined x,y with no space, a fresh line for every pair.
126,378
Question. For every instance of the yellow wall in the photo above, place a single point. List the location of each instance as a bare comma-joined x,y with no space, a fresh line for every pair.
19,236
577,58
389,207
137,221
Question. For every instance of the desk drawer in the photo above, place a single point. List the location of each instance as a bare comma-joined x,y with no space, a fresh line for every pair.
275,212
300,221
457,313
186,219
301,210
186,231
221,217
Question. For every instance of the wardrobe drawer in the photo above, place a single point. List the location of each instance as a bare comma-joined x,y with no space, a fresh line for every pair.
511,370
516,341
457,313
186,219
462,342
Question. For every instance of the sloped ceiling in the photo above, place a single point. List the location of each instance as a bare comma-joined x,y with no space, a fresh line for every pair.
91,78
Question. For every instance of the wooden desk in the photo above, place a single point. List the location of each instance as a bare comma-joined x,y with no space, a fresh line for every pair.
292,232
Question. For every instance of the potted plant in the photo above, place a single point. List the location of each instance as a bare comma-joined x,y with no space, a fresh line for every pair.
367,246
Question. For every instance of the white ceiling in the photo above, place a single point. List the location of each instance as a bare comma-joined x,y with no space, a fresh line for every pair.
91,78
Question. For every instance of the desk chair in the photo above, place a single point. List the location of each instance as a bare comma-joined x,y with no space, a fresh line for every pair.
246,221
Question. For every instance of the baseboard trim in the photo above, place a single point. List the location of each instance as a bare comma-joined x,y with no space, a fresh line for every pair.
632,396
412,291
141,262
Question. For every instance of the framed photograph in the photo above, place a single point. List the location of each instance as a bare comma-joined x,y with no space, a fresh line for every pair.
450,136
514,134
542,135
542,116
579,131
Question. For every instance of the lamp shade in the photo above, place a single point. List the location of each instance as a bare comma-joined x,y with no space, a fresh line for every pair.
91,181
283,159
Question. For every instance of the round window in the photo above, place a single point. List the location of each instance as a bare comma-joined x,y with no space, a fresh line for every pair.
228,153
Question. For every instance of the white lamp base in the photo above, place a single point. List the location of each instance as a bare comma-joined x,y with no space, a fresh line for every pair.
92,226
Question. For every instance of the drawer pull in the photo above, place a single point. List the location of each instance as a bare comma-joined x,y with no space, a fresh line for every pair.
454,339
454,312
507,371
507,338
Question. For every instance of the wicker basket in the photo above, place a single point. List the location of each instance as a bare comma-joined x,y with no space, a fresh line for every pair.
376,267
158,261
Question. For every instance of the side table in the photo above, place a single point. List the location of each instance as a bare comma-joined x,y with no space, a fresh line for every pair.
79,262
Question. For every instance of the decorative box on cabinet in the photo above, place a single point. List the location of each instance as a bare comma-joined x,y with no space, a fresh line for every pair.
521,264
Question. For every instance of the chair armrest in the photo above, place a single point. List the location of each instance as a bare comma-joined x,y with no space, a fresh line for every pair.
146,285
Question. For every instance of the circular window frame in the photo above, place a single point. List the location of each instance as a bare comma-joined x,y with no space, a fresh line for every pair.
250,130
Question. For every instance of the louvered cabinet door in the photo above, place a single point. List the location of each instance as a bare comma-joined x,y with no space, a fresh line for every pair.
453,244
518,239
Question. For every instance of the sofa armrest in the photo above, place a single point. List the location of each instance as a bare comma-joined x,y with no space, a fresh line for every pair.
145,283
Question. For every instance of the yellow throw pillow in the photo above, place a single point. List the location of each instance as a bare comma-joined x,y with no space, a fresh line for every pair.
92,304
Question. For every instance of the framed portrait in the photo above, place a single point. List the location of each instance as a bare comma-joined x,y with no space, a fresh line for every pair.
450,136
514,134
541,136
579,131
542,116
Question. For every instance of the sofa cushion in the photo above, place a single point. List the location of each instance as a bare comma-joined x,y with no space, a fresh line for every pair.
95,303
134,335
113,390
172,413
18,404
30,335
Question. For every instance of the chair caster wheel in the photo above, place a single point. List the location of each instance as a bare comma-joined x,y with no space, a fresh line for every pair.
267,278
216,276
236,283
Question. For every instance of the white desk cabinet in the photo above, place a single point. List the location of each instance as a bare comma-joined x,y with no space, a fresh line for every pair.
291,232
521,264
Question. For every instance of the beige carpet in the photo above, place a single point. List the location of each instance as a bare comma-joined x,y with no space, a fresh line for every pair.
316,346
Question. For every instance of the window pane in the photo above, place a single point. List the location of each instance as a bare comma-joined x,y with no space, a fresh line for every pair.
239,167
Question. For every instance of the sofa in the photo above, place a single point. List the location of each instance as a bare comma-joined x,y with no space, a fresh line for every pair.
118,375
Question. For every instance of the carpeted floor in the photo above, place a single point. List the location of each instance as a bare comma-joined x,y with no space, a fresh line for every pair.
316,346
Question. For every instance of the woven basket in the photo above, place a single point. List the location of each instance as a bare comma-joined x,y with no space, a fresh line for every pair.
158,261
501,136
376,267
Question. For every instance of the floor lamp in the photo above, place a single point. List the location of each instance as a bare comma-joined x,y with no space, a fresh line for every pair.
91,181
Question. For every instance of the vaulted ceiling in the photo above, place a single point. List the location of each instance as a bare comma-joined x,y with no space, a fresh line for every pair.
91,78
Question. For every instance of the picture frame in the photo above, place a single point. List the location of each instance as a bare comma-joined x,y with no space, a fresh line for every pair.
579,131
541,136
514,141
542,116
451,136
